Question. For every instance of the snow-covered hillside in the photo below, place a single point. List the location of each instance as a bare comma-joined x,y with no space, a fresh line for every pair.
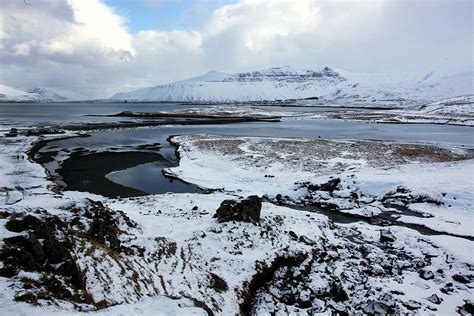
328,85
48,95
12,94
8,94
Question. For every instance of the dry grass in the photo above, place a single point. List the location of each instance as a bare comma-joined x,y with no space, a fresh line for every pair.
319,155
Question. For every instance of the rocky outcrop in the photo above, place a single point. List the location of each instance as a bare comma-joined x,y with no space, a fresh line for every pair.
48,246
44,247
387,236
243,210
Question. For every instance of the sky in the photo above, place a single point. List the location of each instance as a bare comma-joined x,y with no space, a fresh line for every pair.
95,48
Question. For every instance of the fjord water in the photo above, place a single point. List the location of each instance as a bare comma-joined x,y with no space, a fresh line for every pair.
75,112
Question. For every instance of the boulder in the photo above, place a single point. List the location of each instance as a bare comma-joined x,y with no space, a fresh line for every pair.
12,133
466,309
307,241
426,274
412,305
330,186
377,308
464,279
338,293
243,210
435,299
387,236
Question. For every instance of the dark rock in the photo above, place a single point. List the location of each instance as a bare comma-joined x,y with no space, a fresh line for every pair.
464,279
217,283
293,235
195,208
51,255
426,274
435,299
338,293
103,233
8,272
307,241
27,298
375,307
47,245
402,190
466,309
20,225
43,131
448,288
412,305
4,214
397,292
244,210
103,228
387,236
12,133
330,186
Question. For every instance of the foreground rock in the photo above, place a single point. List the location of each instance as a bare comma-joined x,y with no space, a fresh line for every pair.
387,236
244,210
43,256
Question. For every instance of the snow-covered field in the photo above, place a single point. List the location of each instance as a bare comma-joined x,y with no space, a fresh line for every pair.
167,254
452,111
372,170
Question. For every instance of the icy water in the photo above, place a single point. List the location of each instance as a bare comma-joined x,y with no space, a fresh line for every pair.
62,113
147,177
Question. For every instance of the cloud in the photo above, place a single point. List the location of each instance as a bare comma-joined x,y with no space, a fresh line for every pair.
84,45
73,31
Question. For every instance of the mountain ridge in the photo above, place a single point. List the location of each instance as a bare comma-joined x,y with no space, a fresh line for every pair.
326,84
9,94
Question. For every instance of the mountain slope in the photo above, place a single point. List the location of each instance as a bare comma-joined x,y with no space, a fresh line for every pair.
47,95
270,84
283,83
9,94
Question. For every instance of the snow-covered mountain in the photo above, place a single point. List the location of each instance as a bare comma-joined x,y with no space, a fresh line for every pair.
8,94
328,85
47,95
11,94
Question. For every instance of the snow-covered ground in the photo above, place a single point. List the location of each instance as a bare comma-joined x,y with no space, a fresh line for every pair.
452,111
372,170
164,253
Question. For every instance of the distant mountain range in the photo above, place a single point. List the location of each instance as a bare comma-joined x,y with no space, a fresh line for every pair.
8,94
325,85
45,94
